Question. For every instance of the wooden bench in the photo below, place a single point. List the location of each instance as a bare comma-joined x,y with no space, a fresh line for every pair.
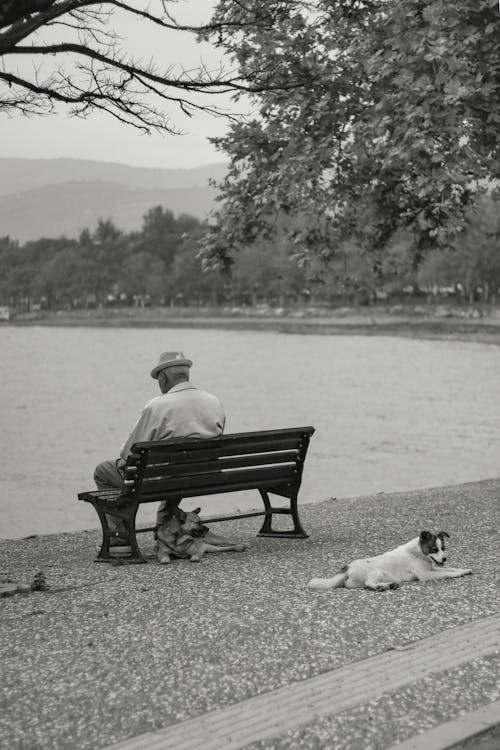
270,461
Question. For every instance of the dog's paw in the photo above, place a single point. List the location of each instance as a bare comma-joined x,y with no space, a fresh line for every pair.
241,547
387,586
195,558
467,572
164,559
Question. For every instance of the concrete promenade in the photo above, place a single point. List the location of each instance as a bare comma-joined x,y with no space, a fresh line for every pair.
235,652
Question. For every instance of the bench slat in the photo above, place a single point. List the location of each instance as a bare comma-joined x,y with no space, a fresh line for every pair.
171,452
252,475
277,485
178,473
273,437
174,468
106,495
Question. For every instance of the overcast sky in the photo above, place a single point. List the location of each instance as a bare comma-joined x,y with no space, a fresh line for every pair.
102,138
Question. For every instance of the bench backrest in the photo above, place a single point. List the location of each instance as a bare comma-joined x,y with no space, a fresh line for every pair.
269,460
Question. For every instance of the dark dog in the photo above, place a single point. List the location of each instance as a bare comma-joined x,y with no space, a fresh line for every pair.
183,534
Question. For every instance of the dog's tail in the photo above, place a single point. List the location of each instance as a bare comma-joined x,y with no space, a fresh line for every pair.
328,583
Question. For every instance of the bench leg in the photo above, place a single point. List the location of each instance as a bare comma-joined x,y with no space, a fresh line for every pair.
297,532
103,554
129,523
127,515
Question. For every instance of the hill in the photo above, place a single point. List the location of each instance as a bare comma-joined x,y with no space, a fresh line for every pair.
54,197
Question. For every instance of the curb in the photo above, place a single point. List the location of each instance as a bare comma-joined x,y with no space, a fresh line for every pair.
447,735
273,713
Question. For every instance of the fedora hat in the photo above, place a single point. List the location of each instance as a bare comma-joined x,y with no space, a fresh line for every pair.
170,359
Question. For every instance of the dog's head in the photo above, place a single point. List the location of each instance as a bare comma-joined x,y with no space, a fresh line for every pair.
182,523
191,523
432,546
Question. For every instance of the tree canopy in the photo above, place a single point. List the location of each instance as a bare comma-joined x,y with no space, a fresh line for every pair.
394,126
71,52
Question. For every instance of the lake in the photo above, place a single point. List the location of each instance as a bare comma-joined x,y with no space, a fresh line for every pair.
390,413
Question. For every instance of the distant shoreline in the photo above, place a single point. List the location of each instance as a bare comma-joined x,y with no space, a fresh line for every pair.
363,322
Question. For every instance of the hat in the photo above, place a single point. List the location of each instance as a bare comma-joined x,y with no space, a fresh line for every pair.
170,359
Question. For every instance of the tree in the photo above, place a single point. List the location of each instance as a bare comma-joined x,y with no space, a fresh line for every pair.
21,265
78,60
473,260
62,278
186,284
101,257
160,234
142,275
393,127
482,236
263,272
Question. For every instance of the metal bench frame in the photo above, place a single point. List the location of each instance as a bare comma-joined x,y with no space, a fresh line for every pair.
270,461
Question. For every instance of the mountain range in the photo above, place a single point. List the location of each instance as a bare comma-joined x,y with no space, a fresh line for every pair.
61,197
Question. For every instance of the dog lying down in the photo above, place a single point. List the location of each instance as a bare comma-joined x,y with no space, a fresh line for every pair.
183,534
421,559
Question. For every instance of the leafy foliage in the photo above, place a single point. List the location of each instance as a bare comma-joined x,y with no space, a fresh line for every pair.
394,126
473,260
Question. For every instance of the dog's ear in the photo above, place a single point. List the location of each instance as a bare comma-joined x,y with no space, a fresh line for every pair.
425,536
442,534
181,515
196,510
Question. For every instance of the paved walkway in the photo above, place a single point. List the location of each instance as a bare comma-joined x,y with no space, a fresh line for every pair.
275,713
237,652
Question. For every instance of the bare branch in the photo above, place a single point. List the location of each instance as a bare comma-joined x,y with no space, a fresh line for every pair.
190,84
173,25
90,68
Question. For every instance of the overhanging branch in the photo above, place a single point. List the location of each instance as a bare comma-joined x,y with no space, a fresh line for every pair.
89,64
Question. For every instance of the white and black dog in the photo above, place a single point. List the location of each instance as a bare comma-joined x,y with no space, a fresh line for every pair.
421,559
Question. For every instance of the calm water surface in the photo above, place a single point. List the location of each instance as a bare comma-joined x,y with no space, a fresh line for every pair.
390,414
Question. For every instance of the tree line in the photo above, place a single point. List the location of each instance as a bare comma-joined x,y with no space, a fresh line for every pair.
157,265
161,264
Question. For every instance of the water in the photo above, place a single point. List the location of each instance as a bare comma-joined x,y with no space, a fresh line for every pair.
390,413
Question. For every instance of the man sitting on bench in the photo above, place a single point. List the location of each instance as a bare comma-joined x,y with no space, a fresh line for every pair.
182,411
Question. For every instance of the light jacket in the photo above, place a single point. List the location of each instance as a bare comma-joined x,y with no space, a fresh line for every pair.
183,412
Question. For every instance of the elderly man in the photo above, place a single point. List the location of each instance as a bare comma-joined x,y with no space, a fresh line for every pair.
182,411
